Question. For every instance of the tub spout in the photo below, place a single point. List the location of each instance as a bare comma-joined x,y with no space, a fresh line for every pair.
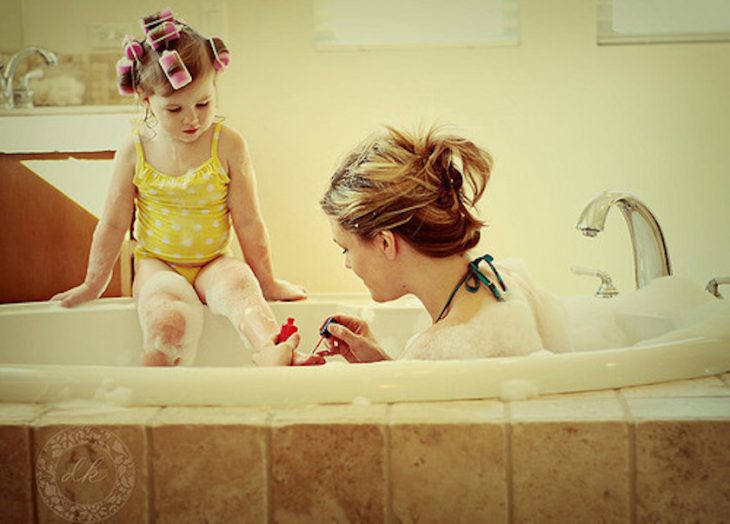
651,257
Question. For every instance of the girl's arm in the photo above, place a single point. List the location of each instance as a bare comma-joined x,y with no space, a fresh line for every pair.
110,231
247,220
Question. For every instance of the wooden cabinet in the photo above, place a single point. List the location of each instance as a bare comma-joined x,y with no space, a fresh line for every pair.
44,235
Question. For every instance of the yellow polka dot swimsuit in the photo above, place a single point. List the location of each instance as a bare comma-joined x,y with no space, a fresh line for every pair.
182,220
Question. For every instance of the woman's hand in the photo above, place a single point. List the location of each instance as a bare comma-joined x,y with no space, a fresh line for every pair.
283,290
351,337
77,295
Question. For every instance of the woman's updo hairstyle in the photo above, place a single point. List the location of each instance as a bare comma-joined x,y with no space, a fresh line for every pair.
422,186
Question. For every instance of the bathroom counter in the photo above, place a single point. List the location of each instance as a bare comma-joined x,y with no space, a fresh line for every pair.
65,130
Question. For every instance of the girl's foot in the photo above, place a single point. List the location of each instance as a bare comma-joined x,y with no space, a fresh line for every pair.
277,355
303,359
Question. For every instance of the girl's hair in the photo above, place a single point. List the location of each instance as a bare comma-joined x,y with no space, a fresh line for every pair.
198,54
422,186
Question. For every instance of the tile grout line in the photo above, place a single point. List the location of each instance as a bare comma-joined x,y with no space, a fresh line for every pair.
269,468
31,466
388,480
149,470
631,443
149,427
33,458
508,466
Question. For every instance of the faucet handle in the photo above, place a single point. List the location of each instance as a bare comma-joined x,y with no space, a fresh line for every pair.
715,283
606,289
30,75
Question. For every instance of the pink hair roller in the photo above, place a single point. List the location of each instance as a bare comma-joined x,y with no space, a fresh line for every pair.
151,21
132,48
124,72
175,69
160,35
221,58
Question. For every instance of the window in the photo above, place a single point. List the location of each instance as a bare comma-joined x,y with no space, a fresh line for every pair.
656,21
401,23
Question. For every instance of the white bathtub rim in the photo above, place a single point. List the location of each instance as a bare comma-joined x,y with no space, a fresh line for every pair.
386,382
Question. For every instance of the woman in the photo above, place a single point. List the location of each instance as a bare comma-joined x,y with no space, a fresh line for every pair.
402,208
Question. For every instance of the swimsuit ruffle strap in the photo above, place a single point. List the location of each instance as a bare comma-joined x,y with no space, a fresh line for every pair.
138,147
216,137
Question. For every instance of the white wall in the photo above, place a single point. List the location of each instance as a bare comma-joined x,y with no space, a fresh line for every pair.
563,118
11,35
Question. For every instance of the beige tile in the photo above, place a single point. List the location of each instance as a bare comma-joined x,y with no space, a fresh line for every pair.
209,465
218,416
324,414
328,464
599,393
477,411
699,387
448,471
570,471
16,477
699,408
90,412
96,456
567,409
683,471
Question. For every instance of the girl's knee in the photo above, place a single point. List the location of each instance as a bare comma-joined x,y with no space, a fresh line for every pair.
171,317
167,322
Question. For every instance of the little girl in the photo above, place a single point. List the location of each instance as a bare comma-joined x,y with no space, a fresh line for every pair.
184,182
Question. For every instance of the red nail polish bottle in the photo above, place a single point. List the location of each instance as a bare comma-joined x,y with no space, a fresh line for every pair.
287,330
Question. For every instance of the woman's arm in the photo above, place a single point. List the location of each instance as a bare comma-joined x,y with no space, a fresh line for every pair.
247,220
109,232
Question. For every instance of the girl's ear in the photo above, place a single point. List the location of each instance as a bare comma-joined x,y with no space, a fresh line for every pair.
387,242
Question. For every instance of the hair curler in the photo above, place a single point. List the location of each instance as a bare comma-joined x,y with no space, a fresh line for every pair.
125,82
161,35
150,22
221,56
132,48
174,68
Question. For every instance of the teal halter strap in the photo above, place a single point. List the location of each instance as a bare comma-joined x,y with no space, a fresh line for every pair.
473,279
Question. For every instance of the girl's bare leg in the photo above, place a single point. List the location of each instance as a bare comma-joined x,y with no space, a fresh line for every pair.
170,314
230,288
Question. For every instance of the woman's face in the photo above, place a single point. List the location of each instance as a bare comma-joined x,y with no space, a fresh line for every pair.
368,261
186,114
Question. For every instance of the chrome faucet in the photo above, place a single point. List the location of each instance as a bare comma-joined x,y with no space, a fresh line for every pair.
7,72
651,258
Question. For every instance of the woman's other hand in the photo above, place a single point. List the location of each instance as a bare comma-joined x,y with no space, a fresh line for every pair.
351,337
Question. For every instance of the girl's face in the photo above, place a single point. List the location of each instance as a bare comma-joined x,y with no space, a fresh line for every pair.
368,261
187,113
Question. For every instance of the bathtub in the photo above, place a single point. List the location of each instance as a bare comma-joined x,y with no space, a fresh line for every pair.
50,354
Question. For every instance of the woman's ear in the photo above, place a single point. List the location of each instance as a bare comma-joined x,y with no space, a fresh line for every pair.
387,243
